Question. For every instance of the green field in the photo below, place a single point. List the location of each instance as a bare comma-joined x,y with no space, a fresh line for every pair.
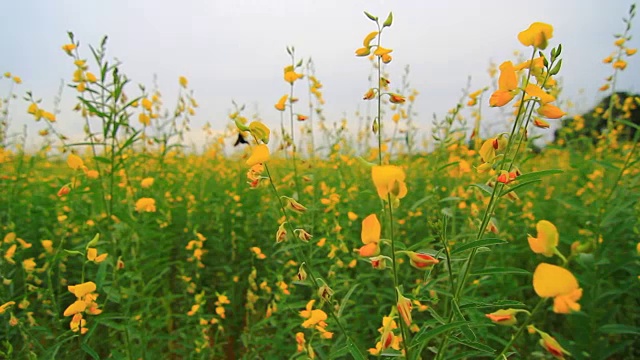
320,240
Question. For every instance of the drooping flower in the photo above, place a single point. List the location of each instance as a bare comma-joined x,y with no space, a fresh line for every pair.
506,317
404,308
260,131
560,284
537,35
293,205
389,180
370,236
550,344
396,98
551,111
420,261
281,234
547,239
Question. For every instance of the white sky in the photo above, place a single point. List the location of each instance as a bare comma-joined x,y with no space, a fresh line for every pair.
235,50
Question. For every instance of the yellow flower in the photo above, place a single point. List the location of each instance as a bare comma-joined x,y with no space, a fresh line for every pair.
47,245
280,104
551,111
396,98
6,305
77,307
506,317
183,81
551,345
290,75
74,162
90,77
313,317
92,255
83,289
69,48
382,51
421,261
92,174
630,51
294,205
370,236
389,179
17,80
507,85
260,131
547,239
144,119
620,64
537,35
259,154
29,265
146,205
560,284
146,182
369,95
536,91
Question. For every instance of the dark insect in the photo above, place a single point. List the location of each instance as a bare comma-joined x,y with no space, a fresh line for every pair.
241,140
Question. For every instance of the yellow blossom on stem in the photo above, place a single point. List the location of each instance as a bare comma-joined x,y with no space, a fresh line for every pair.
560,284
420,261
547,239
369,95
389,179
281,234
146,182
260,131
183,81
551,111
370,236
281,103
550,344
396,98
259,154
537,35
312,316
507,85
506,317
92,255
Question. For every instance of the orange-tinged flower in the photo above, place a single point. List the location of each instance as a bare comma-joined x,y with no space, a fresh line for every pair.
300,341
64,190
537,122
29,264
507,85
551,345
620,64
294,205
146,205
506,317
259,154
630,51
560,284
389,180
302,117
290,75
280,104
396,98
537,35
5,306
382,51
146,182
536,91
421,261
551,111
363,51
183,81
369,95
83,289
370,236
92,255
68,48
386,58
547,239
77,307
312,316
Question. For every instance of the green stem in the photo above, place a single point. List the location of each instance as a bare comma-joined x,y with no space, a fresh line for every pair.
520,329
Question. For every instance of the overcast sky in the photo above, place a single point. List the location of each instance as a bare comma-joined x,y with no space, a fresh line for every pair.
235,50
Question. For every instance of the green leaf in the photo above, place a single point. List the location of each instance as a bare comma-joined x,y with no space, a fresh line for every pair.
102,159
501,270
538,174
499,303
420,202
425,334
619,329
486,188
343,303
466,330
73,252
389,20
507,190
628,123
371,17
476,244
90,350
475,345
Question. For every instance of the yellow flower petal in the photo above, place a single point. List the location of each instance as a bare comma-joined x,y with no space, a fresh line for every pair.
259,155
370,229
551,281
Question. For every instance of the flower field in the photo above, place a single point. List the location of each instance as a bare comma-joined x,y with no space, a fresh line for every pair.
317,239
